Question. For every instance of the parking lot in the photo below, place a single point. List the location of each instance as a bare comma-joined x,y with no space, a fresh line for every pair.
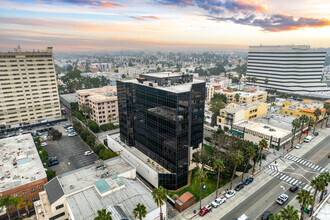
69,152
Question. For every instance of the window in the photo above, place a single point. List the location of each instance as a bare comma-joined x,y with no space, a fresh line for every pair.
59,206
34,198
40,187
32,190
15,195
291,113
57,216
286,112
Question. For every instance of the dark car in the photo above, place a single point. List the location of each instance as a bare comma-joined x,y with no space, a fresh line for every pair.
239,187
248,181
294,188
316,134
266,215
55,162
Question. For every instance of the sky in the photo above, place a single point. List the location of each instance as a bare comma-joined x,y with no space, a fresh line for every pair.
101,25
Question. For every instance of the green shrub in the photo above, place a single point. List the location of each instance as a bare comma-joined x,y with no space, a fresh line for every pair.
98,148
78,115
90,140
93,126
107,154
50,174
55,134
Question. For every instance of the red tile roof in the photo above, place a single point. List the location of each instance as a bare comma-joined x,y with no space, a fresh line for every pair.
185,197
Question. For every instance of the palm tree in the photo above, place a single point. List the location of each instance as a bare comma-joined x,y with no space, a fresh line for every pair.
311,123
201,177
103,214
237,159
317,114
295,124
219,166
289,213
254,80
159,194
140,211
250,153
266,82
6,202
17,202
304,198
327,111
26,205
262,145
303,120
275,217
237,96
319,185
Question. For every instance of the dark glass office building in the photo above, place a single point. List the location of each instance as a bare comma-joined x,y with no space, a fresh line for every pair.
162,115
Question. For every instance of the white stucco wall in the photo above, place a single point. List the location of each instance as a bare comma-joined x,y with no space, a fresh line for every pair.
141,167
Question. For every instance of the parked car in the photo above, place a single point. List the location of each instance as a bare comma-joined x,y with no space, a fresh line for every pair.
52,158
239,187
69,128
266,215
248,181
72,134
205,210
218,202
67,125
316,134
44,144
294,188
243,217
298,146
230,194
282,199
308,139
53,163
88,153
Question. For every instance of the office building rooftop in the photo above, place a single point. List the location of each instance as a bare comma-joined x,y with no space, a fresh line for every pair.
20,162
172,82
277,120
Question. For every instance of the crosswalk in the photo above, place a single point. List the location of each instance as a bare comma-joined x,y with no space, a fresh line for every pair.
273,167
306,163
289,179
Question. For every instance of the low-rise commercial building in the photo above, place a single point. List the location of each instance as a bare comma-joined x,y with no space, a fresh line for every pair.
22,172
248,96
103,102
255,131
109,185
233,113
305,107
67,99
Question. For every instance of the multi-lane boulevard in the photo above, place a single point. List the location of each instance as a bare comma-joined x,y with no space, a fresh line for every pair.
296,170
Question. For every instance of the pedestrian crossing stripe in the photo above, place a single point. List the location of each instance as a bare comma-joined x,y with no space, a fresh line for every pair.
294,182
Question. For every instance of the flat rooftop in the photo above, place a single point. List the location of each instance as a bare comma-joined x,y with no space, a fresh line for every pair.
72,97
106,93
277,120
163,74
89,175
140,155
20,162
247,93
186,87
263,128
120,203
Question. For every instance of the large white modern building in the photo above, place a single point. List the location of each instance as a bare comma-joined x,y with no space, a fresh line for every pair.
292,68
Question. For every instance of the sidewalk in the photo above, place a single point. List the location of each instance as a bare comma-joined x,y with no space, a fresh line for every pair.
189,213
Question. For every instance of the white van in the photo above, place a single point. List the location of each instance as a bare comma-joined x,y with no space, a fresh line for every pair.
308,139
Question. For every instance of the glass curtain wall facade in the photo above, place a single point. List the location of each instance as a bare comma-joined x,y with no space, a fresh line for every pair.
162,125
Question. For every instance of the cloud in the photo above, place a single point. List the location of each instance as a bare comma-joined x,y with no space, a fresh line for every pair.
144,18
92,3
216,6
275,22
249,12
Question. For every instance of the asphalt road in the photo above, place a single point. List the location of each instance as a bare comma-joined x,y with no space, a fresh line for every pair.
264,198
70,153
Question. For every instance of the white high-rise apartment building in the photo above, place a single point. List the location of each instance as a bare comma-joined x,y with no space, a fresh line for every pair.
289,68
28,88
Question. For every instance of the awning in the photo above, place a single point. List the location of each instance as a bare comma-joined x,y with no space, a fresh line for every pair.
236,132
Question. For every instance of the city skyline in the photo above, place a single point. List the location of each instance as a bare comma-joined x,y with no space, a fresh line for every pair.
154,24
